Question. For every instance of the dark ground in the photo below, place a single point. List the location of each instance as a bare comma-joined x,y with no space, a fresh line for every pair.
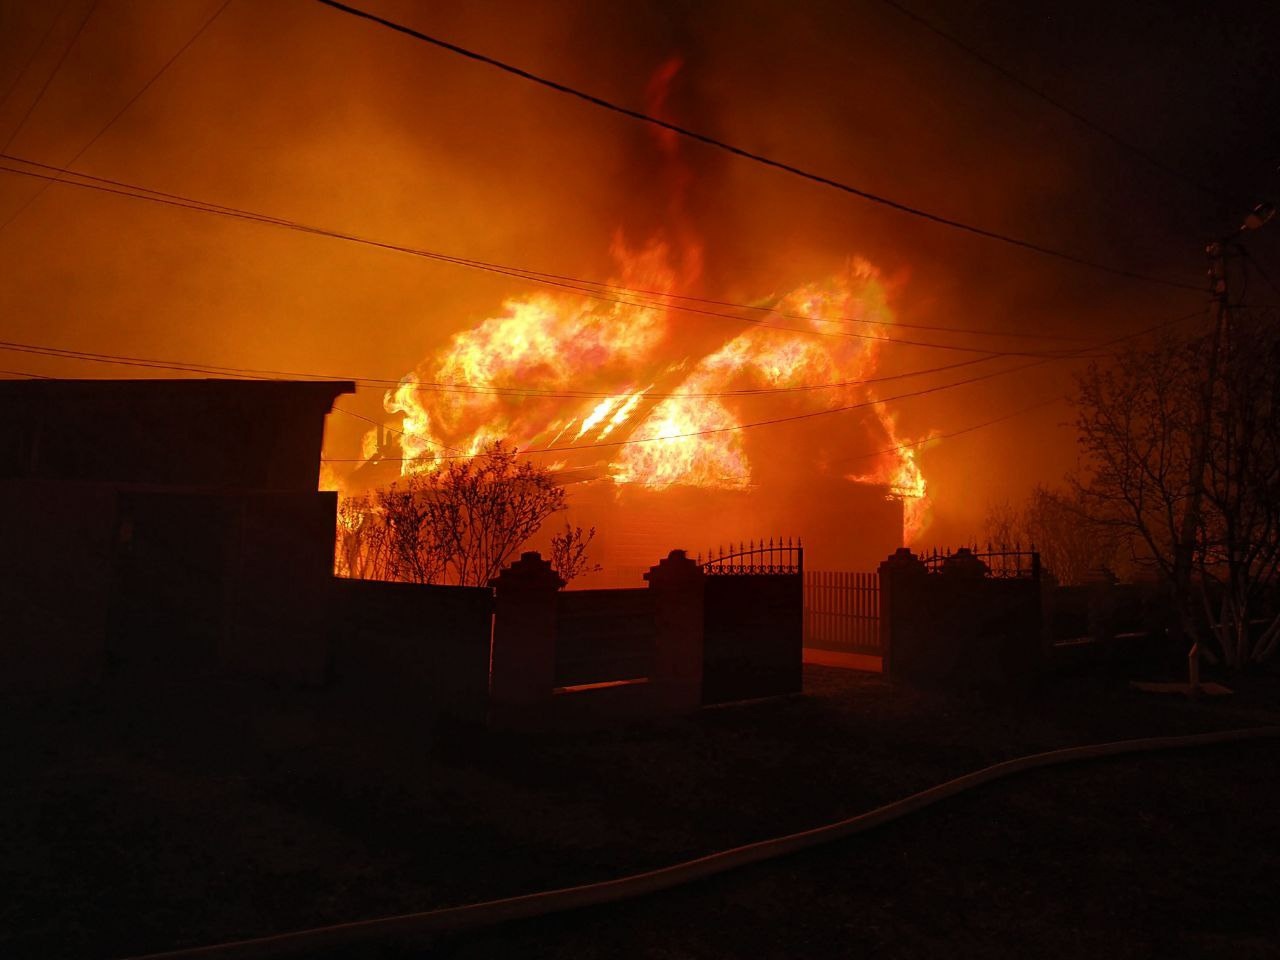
125,833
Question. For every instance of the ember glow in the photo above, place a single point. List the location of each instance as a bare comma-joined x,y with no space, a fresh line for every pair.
613,387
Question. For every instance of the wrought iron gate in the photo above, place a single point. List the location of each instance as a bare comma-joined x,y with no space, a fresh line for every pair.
753,621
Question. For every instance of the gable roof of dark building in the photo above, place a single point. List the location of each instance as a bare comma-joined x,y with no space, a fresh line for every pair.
225,434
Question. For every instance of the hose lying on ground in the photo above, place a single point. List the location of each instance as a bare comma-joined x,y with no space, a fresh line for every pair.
570,898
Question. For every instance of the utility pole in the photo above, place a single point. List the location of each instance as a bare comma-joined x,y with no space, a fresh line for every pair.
1220,312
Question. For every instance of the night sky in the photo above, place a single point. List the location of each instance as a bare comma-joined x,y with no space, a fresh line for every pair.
292,109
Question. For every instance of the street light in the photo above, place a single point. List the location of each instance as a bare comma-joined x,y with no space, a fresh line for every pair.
1258,216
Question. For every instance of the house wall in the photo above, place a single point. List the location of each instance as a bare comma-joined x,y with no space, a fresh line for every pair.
99,580
163,529
55,581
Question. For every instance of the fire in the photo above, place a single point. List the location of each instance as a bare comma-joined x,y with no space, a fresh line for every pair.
490,382
557,370
903,477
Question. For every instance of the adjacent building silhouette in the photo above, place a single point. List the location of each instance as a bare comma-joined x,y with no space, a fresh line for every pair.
162,529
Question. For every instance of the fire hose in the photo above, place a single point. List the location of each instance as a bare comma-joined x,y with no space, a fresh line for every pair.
546,902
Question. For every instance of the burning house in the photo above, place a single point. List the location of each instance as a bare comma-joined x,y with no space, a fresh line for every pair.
643,410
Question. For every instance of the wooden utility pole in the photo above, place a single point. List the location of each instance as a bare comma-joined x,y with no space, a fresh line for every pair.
1184,557
1220,312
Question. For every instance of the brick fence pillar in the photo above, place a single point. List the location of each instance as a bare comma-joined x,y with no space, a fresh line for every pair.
524,633
903,577
677,585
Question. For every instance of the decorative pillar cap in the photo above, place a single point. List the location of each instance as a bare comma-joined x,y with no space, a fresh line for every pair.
903,560
530,572
963,563
676,566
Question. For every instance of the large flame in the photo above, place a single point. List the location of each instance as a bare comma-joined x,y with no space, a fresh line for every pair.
558,370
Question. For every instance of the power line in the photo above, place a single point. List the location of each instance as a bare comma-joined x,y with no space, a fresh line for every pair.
1080,118
259,373
764,308
773,421
748,154
49,79
927,440
1052,401
582,288
447,387
18,77
785,419
121,112
248,373
384,426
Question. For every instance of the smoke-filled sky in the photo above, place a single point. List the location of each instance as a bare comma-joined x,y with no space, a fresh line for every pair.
289,108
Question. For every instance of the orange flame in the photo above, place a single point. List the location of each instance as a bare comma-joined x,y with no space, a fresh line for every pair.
618,372
903,477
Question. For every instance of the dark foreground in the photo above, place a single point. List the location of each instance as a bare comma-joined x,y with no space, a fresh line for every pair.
126,830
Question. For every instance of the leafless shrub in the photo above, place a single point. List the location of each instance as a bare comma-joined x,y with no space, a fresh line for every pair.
460,523
569,553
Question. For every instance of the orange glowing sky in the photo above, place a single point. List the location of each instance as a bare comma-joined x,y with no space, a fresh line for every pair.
290,109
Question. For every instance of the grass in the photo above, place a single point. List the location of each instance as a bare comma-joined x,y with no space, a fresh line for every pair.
133,824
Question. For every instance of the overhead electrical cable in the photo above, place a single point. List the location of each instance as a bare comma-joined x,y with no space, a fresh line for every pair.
248,373
259,373
581,287
711,431
746,154
792,417
119,188
49,79
1052,401
35,52
382,426
121,112
663,295
61,353
1035,91
898,448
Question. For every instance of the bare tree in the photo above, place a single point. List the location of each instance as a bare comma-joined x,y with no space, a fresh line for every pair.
1071,545
415,551
460,523
569,553
1057,525
1140,426
362,548
1004,523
